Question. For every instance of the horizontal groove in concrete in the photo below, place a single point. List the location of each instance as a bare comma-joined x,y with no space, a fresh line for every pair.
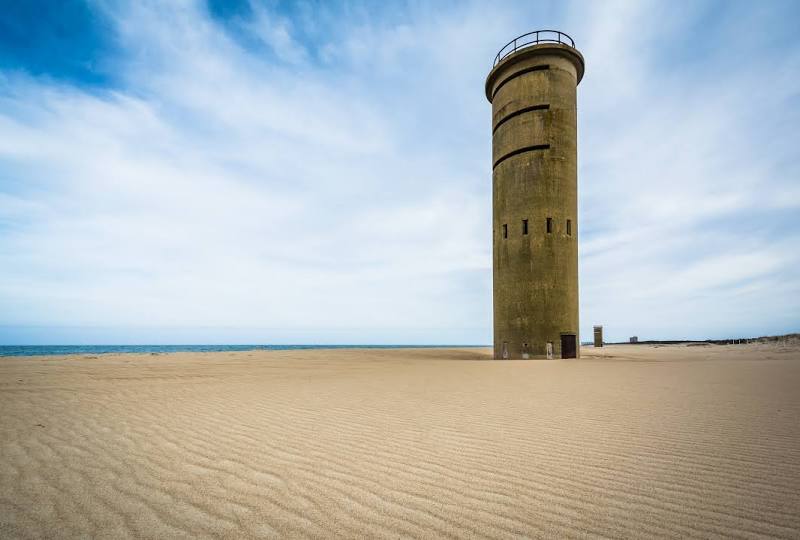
514,114
520,151
518,74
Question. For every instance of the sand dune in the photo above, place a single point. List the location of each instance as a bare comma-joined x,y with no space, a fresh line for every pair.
626,442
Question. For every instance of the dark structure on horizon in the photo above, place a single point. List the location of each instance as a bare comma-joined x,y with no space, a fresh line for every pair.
598,336
532,88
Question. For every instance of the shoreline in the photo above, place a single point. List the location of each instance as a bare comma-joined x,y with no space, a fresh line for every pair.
629,351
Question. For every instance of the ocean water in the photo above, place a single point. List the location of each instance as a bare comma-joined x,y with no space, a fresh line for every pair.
47,350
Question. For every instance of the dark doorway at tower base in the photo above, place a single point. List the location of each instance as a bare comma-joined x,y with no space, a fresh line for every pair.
568,346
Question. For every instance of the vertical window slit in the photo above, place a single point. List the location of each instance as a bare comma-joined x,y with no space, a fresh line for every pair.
524,226
505,230
569,227
549,225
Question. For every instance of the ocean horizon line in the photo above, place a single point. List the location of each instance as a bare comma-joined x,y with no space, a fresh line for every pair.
56,350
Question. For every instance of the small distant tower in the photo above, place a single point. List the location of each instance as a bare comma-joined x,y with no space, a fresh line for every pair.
598,336
634,339
532,88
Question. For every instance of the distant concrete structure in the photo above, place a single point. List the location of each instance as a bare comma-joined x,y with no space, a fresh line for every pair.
532,88
598,336
634,339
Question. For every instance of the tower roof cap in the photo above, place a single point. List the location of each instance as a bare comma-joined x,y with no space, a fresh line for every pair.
533,38
536,43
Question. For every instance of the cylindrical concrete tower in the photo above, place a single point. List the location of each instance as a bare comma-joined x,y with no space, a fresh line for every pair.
532,89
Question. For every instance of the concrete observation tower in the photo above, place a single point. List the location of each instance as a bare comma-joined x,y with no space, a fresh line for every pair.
532,88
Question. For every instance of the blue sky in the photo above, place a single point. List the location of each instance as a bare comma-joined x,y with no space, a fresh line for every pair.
240,172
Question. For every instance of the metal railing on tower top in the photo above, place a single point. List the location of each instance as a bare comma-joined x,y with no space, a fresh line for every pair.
532,38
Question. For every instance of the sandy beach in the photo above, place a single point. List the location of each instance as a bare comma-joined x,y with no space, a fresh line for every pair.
628,441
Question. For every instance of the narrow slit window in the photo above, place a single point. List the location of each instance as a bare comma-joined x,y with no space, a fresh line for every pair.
569,227
549,225
505,230
524,226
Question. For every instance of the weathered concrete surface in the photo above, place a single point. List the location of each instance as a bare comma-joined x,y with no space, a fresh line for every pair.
534,154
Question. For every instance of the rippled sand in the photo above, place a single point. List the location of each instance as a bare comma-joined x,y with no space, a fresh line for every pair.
626,442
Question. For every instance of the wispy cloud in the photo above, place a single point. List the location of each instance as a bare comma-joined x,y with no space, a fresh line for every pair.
324,175
689,178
